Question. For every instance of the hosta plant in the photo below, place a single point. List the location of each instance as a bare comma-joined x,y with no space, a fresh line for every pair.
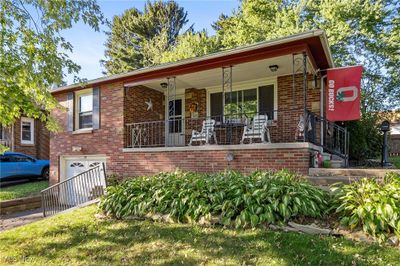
372,204
239,200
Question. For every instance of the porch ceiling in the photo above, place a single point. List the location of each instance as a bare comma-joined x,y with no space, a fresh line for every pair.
254,70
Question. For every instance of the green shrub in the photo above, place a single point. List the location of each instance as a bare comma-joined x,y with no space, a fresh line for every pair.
239,200
365,137
371,204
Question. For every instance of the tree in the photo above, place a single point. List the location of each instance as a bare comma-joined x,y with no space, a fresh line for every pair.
359,32
365,137
33,55
136,37
189,45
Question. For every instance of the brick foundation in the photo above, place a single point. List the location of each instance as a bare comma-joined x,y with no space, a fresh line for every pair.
210,159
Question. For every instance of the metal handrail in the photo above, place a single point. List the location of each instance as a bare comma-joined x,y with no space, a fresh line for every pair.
338,142
74,191
66,180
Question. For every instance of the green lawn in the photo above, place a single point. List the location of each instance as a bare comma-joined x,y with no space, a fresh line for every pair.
22,190
395,161
79,239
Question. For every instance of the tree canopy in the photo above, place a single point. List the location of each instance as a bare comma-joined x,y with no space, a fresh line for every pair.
138,38
33,54
359,31
188,45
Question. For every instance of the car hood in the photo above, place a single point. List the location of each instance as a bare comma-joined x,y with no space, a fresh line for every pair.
43,162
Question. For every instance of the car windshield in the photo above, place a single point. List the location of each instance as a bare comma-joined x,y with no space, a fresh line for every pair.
15,158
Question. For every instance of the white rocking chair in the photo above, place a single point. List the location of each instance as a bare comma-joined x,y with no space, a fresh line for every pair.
207,132
257,130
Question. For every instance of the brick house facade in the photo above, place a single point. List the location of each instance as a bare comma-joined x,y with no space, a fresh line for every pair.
121,106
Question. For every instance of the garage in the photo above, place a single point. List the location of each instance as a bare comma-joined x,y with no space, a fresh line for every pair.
80,189
78,164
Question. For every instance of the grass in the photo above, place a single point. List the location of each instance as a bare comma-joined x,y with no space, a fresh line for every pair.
79,239
396,161
22,190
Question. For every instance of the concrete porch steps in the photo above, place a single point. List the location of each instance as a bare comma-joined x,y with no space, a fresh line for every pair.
329,180
320,172
325,177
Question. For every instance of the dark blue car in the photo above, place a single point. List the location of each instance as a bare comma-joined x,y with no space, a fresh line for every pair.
15,165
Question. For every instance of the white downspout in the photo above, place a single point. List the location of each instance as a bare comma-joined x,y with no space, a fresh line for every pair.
322,95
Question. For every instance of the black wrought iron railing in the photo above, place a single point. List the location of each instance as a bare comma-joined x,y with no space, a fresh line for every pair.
282,126
333,137
216,130
74,191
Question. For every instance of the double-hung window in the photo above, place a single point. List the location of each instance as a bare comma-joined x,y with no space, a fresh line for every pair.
244,103
84,107
27,130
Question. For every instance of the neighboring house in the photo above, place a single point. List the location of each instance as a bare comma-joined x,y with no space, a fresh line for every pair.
394,137
28,136
141,122
394,141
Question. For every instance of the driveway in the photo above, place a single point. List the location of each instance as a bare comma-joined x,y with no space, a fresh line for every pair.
9,221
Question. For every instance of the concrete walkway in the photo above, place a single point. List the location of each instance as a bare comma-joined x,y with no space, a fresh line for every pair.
20,218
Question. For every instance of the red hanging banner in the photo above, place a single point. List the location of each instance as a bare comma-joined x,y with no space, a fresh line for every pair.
343,93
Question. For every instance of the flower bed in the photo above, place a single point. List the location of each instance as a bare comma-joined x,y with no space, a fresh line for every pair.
239,200
262,198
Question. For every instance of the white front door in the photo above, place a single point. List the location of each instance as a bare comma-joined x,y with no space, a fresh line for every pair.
175,128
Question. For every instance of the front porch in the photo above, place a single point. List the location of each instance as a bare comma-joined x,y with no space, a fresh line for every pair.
217,109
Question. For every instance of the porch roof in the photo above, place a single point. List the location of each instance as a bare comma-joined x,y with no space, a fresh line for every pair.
314,43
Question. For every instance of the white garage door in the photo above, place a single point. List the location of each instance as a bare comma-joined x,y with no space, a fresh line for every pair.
79,190
75,167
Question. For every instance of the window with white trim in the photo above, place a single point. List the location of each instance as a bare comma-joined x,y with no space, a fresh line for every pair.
244,103
27,130
84,109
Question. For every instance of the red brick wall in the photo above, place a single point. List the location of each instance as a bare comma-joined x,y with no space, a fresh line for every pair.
40,148
146,163
136,108
291,105
198,97
135,111
107,140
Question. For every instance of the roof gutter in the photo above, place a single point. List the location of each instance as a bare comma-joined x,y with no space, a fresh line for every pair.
264,44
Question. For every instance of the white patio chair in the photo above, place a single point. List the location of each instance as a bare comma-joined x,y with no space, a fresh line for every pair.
207,132
257,130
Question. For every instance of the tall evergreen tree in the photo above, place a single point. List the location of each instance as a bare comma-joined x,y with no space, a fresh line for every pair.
137,38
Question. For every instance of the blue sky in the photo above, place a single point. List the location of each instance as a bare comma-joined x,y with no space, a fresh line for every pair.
89,45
